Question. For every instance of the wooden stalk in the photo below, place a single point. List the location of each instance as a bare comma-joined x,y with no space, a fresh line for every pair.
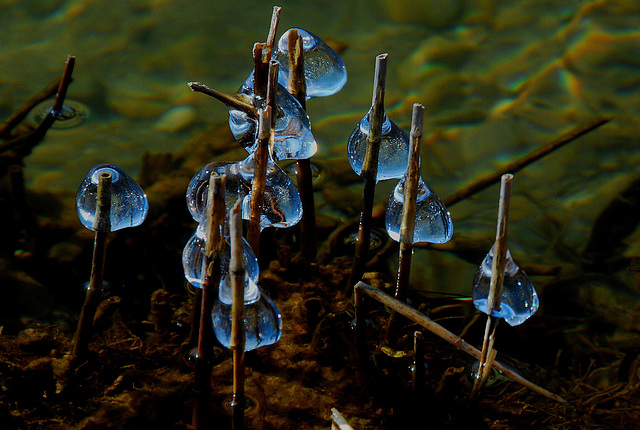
213,249
443,333
370,170
297,86
259,179
101,225
237,341
495,286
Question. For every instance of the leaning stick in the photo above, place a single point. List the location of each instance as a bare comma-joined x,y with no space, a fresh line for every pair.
443,333
495,285
522,162
370,169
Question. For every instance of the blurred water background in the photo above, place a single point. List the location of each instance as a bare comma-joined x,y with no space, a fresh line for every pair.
497,78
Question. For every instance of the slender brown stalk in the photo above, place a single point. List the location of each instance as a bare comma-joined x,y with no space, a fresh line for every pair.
101,225
233,101
64,84
495,286
21,113
339,421
520,163
237,341
273,29
418,376
259,179
409,206
370,170
297,86
213,247
446,335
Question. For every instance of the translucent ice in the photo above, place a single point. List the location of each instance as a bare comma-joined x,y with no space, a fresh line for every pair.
519,298
281,205
394,149
129,205
292,131
194,261
324,70
433,221
262,318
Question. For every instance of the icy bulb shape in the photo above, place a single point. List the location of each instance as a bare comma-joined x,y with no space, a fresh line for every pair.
262,318
324,70
281,206
198,190
129,204
292,131
394,149
433,221
194,261
519,298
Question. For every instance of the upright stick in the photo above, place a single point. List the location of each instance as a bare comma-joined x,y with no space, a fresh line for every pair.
297,86
237,341
213,249
409,206
101,225
370,170
259,179
495,286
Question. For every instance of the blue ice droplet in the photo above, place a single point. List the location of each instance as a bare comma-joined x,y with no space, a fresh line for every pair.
194,261
129,204
324,70
292,132
394,149
433,222
519,298
262,319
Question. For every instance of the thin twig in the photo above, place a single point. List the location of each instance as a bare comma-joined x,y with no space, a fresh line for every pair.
273,29
64,84
239,102
407,227
297,86
522,162
339,420
237,341
21,113
495,285
259,179
445,334
101,225
213,248
370,170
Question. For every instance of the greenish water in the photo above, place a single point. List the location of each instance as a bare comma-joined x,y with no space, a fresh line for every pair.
497,78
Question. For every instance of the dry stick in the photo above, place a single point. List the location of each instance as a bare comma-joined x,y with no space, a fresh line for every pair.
21,113
237,341
370,170
522,162
213,249
338,421
443,333
409,207
495,285
297,86
259,179
408,223
273,29
239,102
418,377
101,225
32,138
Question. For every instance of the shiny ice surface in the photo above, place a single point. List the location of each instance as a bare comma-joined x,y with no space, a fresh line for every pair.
324,70
519,297
433,221
394,149
129,204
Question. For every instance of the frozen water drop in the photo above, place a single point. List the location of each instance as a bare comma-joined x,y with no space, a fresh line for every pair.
433,222
324,70
262,320
394,149
519,297
129,204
